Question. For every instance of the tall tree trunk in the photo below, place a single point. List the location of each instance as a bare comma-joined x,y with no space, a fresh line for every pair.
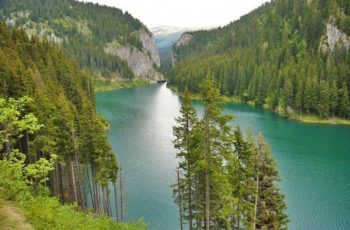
28,153
95,190
180,197
256,202
190,202
74,183
121,195
109,202
77,178
207,186
8,146
89,186
60,177
197,202
116,201
238,217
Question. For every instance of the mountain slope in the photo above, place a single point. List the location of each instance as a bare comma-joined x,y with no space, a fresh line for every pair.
101,38
291,56
62,100
166,37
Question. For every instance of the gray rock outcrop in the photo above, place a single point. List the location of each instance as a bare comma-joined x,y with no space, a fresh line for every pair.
334,37
183,40
141,62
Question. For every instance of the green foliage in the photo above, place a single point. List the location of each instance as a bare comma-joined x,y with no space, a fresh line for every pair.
270,201
64,103
17,177
13,185
225,181
82,29
47,213
40,169
274,56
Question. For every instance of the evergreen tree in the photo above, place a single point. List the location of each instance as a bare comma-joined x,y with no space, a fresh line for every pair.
333,98
185,143
242,178
280,61
270,203
344,104
216,145
323,100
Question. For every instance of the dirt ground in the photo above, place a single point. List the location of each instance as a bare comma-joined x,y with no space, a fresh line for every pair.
12,218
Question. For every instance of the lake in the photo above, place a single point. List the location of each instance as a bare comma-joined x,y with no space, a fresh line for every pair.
313,160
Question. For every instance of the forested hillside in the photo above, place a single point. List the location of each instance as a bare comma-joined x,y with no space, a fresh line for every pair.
50,134
291,56
89,33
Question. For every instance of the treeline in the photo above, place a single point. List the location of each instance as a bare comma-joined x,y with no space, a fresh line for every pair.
84,28
24,183
225,181
54,119
277,56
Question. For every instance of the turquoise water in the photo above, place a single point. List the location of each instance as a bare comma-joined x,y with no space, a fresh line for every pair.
313,160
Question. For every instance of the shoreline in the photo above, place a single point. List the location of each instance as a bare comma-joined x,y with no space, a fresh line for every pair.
303,118
104,86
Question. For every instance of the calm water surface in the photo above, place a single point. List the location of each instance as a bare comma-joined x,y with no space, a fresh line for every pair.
313,160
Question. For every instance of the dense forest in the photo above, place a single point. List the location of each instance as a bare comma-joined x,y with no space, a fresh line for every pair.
225,181
291,56
51,137
82,29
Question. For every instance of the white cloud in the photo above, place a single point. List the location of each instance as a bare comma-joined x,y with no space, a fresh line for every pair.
185,13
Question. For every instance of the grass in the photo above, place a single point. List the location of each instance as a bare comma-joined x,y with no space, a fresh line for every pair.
105,86
316,120
46,212
21,205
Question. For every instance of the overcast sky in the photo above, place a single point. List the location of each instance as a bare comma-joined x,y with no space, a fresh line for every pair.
184,13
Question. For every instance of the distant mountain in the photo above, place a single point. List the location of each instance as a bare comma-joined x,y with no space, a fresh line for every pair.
106,40
166,37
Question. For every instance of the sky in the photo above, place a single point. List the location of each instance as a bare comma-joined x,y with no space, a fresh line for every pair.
184,13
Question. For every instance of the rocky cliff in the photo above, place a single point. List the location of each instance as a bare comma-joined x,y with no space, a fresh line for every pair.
183,40
144,63
334,37
89,33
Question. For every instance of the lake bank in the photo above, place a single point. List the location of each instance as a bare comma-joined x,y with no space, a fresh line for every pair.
304,118
108,86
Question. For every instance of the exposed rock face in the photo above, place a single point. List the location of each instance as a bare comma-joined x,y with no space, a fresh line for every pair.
183,40
334,37
140,62
149,44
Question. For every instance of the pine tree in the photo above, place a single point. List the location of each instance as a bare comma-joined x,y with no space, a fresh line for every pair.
323,100
242,178
299,96
333,98
216,145
270,204
185,144
310,95
344,104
